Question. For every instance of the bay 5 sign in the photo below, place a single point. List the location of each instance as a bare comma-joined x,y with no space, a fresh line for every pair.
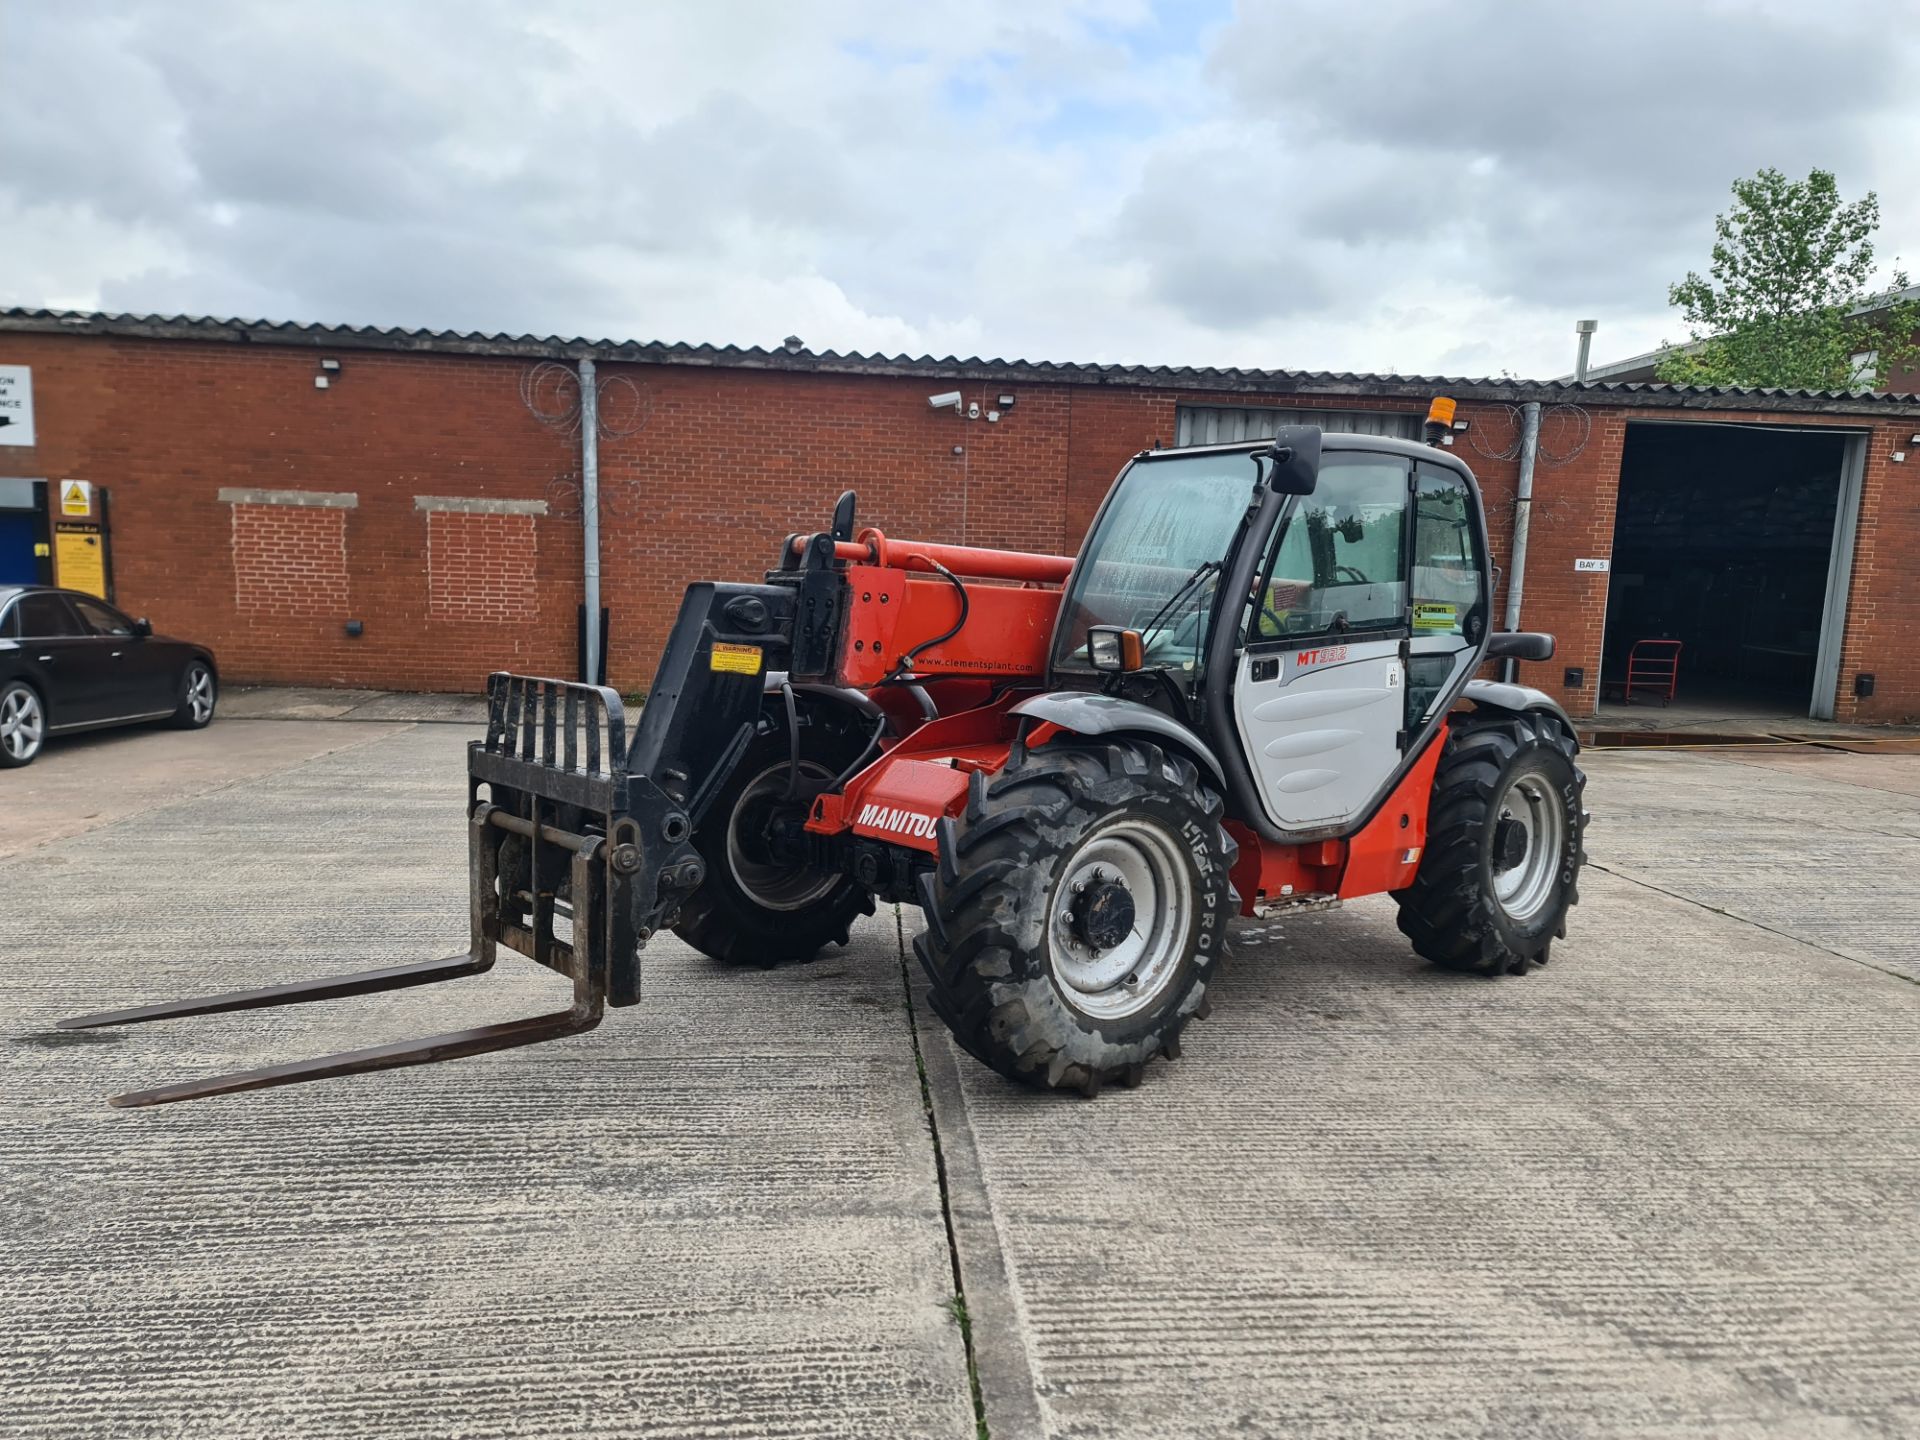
1254,692
16,405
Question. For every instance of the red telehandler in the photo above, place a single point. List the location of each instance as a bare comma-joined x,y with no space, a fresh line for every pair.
1253,692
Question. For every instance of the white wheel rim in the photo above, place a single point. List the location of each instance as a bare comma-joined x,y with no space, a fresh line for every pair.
200,694
22,725
1130,977
1525,888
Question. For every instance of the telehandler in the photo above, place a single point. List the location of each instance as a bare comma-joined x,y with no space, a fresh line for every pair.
1254,692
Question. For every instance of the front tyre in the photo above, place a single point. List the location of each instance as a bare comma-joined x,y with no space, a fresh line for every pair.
757,905
1504,845
198,693
1078,913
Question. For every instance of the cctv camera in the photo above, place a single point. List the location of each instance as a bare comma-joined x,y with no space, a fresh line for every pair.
948,400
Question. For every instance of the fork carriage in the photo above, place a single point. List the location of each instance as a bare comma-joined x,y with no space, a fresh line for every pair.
557,831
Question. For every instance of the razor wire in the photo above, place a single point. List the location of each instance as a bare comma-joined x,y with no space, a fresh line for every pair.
1565,431
551,393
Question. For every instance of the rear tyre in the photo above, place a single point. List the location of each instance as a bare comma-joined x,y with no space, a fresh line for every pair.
1505,833
23,724
1078,913
199,692
754,907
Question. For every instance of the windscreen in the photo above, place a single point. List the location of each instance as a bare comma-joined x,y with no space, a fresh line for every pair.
1153,562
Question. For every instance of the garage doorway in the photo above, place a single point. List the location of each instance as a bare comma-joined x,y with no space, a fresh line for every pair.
1736,541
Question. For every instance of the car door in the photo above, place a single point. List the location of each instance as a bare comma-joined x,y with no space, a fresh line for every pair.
137,682
71,664
1320,694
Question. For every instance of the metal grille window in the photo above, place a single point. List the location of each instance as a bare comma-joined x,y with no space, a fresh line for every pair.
1209,425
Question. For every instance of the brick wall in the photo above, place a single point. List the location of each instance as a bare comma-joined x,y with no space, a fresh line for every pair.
458,541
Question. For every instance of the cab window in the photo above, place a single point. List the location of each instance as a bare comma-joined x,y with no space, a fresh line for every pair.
1449,588
1339,561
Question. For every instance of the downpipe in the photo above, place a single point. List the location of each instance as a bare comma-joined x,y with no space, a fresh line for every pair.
590,517
1522,521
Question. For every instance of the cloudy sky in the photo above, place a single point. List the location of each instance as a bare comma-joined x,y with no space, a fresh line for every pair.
1353,185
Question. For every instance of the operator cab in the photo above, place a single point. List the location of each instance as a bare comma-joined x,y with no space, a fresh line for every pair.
1315,639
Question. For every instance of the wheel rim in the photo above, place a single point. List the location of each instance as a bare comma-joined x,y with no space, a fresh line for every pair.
1533,824
1124,979
200,694
22,725
766,881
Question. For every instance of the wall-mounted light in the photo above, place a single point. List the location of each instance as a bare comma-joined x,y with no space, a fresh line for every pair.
328,369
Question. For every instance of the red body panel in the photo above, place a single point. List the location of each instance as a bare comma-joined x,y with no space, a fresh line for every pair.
1005,636
1380,857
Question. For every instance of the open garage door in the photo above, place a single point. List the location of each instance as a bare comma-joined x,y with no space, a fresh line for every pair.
1737,542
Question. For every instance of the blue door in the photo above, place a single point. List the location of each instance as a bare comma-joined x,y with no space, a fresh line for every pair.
17,535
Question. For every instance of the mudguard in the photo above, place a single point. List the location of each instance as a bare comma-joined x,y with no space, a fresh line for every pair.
1503,695
1088,714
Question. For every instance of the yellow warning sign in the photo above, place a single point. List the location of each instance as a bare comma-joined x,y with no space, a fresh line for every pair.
1433,615
735,659
76,498
80,561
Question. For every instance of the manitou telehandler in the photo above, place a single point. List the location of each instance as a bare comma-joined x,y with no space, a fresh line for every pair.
1244,698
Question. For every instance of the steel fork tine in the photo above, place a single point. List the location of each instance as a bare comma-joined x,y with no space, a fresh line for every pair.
363,982
506,1035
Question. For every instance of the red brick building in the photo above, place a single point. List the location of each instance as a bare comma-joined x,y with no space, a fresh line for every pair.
414,522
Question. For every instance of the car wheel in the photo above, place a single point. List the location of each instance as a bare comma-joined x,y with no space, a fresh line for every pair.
199,692
23,724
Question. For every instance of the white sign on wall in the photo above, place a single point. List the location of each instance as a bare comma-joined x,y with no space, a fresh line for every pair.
1600,566
16,405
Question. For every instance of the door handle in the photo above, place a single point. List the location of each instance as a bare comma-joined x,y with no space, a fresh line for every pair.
114,656
46,659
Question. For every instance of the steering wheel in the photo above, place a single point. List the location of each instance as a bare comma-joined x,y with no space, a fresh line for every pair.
1349,574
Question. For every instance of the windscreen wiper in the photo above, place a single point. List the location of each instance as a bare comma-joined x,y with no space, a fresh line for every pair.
1200,572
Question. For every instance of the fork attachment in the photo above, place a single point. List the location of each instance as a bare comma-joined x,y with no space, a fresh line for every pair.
557,831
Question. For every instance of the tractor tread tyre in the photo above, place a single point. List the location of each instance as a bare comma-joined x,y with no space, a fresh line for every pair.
724,922
1450,912
988,904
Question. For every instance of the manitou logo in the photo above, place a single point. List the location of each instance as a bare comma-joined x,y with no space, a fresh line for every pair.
900,822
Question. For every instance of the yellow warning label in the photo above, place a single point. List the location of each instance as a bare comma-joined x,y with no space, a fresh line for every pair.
79,561
735,659
1435,616
74,499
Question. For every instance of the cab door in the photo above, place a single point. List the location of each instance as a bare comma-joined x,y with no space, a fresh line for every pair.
1320,691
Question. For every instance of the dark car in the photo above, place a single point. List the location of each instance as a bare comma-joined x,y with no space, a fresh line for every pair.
70,662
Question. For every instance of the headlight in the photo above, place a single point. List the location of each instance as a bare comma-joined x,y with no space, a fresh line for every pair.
1112,647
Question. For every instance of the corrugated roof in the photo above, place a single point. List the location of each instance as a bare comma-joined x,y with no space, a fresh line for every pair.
1183,377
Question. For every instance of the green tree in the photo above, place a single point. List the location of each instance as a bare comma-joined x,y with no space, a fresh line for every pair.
1792,267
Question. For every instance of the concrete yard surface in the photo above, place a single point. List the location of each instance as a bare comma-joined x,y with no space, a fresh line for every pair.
1669,1186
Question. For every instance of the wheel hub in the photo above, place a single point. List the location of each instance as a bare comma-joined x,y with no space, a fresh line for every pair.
1119,921
1509,843
1103,914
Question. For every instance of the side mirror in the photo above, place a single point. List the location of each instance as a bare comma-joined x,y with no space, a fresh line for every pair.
1519,645
143,627
1295,453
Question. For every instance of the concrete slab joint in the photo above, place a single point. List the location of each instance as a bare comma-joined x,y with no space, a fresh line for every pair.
478,505
318,499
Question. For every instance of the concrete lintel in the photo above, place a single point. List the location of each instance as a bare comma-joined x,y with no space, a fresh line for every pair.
322,499
477,505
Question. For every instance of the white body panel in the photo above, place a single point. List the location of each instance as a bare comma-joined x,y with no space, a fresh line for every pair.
1322,735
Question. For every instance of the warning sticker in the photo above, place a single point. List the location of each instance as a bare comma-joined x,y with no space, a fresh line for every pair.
76,497
1432,615
735,659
